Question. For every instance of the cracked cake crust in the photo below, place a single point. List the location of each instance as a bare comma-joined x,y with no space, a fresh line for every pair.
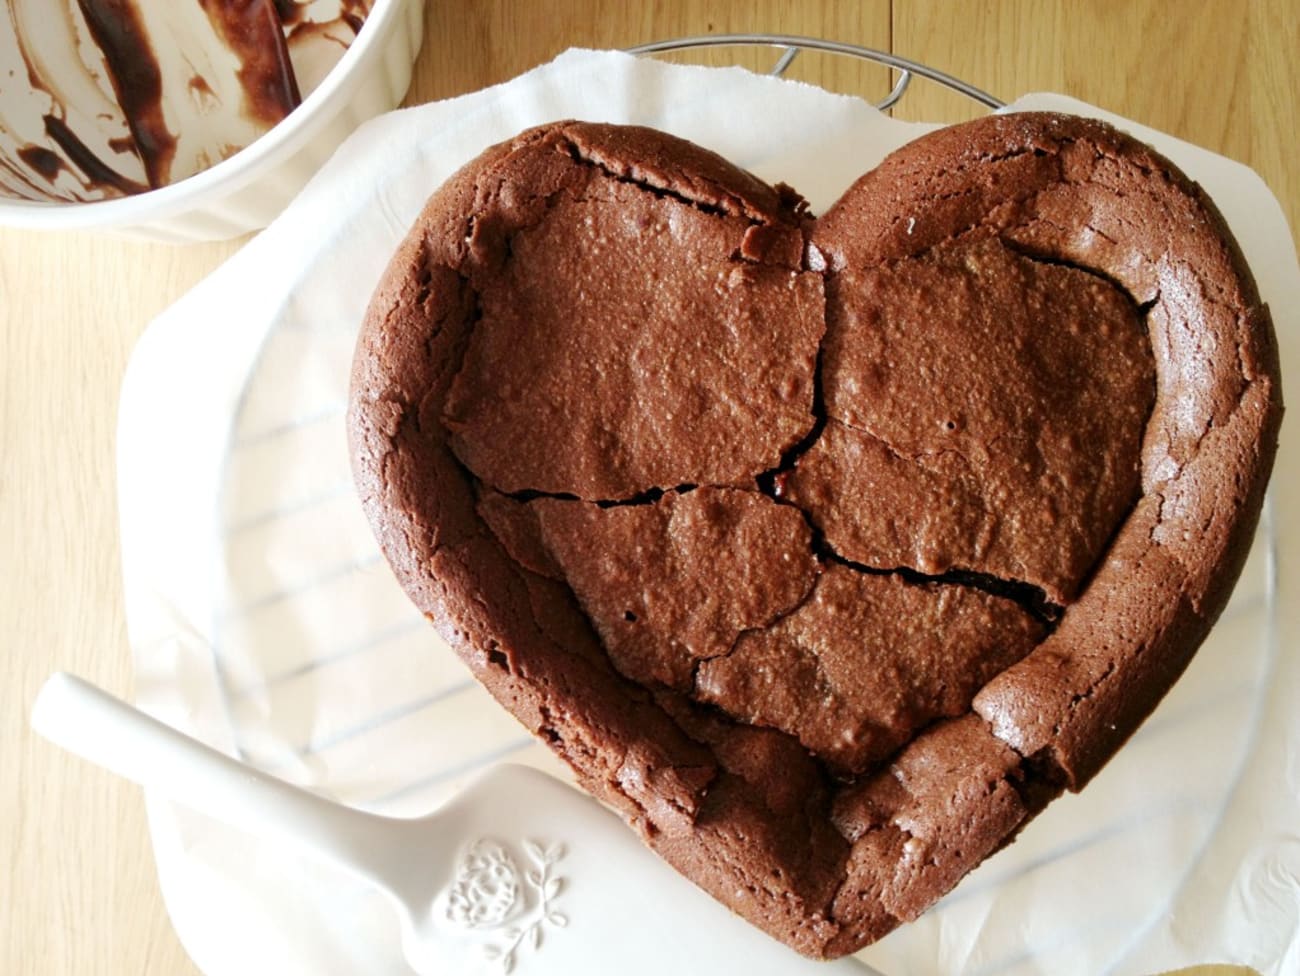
518,456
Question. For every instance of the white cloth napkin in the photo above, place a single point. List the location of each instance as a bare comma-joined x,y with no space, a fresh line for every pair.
264,621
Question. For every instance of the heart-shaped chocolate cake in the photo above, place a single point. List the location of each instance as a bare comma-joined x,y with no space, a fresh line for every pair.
826,551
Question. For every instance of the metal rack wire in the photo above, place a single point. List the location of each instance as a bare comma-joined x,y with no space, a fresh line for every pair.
792,45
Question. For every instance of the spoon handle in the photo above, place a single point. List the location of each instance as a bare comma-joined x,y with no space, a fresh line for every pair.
93,724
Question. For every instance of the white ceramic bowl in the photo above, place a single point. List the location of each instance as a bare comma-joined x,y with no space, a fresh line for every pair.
247,191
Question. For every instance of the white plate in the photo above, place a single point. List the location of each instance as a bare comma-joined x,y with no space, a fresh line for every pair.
264,620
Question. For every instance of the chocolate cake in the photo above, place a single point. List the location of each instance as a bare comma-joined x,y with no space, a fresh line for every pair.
825,551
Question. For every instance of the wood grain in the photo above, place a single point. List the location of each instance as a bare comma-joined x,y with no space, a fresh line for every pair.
78,894
488,42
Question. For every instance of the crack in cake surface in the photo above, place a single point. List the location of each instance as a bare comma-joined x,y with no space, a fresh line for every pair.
725,827
901,650
1047,381
699,353
753,706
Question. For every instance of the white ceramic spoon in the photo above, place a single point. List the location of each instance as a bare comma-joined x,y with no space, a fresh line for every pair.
519,873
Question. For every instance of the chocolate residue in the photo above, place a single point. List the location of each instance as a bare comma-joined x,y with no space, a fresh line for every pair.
98,173
290,12
42,160
254,32
133,68
181,90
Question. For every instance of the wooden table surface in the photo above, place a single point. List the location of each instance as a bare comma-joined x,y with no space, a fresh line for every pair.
78,894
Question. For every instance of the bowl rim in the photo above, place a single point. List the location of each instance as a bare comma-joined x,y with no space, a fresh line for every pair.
233,173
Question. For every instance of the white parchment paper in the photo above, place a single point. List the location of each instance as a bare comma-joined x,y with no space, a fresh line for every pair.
264,621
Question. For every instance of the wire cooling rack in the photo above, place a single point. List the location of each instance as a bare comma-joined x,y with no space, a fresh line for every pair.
792,45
